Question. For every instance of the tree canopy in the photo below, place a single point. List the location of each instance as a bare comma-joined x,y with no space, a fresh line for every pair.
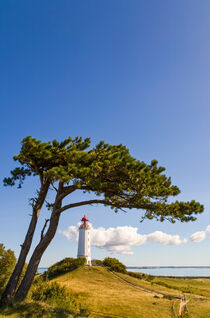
117,179
108,172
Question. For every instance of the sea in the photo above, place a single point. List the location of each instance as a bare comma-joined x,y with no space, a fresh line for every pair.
175,271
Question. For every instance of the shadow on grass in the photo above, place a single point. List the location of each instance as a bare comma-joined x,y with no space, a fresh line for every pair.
38,310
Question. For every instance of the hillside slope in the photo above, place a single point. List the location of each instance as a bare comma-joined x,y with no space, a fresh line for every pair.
104,293
111,295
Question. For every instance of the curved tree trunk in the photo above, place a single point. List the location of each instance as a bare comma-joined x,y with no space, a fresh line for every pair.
15,277
37,255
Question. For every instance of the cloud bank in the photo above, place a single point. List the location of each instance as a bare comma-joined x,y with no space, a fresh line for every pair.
120,239
200,236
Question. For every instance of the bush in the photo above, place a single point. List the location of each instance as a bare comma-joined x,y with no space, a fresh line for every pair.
138,275
114,265
43,291
54,295
31,310
149,278
66,265
169,297
97,262
7,264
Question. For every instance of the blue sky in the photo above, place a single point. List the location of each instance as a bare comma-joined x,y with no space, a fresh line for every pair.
131,72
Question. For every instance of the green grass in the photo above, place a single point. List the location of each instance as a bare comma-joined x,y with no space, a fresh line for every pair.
151,286
199,286
105,295
31,309
199,309
100,291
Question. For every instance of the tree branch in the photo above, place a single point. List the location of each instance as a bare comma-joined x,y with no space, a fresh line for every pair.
69,188
83,187
74,205
86,188
66,191
119,206
54,187
39,173
42,232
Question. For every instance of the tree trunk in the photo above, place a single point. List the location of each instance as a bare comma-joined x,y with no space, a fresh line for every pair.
15,277
37,255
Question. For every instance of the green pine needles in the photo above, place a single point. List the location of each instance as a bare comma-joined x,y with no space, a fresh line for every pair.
109,171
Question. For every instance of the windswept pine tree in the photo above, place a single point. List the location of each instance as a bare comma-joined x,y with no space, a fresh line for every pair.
107,171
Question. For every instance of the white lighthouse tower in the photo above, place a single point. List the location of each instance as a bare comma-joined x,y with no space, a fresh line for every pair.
84,240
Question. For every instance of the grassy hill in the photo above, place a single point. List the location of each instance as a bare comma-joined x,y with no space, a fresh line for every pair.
108,294
104,293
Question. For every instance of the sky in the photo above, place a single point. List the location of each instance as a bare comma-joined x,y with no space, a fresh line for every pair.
131,72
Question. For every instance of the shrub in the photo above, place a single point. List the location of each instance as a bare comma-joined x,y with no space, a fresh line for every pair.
169,297
138,275
64,266
55,295
29,310
7,264
97,262
114,265
149,278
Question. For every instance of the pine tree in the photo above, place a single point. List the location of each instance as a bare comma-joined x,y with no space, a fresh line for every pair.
107,171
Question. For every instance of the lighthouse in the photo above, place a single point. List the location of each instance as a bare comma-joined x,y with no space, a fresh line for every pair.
84,240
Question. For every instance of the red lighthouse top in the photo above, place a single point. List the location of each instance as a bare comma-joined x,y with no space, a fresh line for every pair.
84,218
84,225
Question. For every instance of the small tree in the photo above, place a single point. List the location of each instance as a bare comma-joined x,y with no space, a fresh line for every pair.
7,264
114,265
116,178
67,265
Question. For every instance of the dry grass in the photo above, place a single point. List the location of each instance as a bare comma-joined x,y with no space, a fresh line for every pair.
151,285
32,309
100,291
199,308
199,286
107,296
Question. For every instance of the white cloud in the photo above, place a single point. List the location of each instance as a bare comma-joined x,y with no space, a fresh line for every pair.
165,239
200,236
71,232
120,239
208,229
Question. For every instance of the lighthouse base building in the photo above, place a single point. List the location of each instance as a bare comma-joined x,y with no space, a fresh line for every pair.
84,240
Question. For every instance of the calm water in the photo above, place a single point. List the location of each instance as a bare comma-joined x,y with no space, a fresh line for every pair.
173,271
41,270
165,271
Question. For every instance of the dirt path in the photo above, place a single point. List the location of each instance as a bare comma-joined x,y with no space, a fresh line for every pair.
159,294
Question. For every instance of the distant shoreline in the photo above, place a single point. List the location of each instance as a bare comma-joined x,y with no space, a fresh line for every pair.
149,267
167,271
